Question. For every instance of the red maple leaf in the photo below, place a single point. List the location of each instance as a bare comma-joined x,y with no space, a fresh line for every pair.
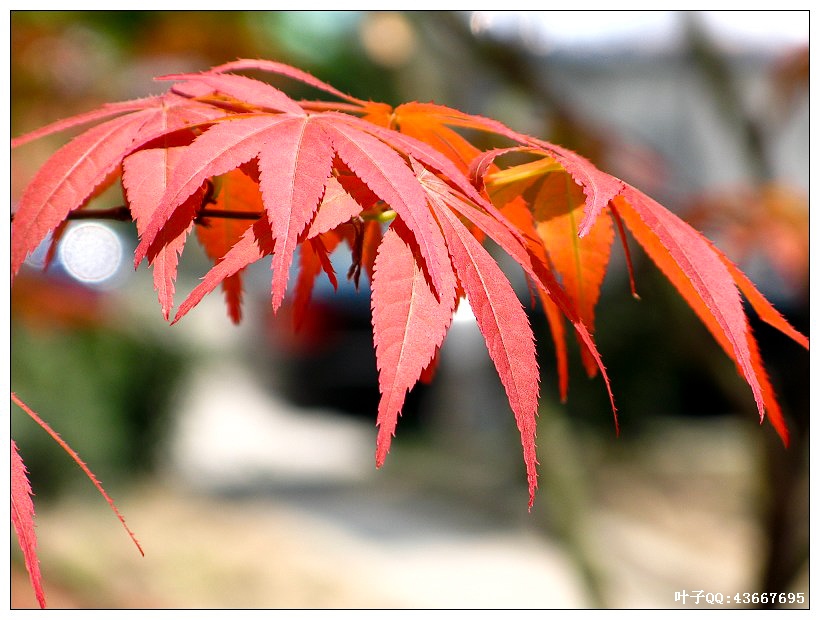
70,177
261,174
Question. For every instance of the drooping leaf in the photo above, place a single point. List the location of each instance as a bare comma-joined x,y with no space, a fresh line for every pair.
530,177
256,242
73,173
294,158
220,149
333,171
580,262
528,251
295,154
313,259
761,305
64,182
441,199
696,270
389,176
145,175
519,214
61,442
293,170
770,315
236,193
22,518
109,109
504,325
409,324
336,208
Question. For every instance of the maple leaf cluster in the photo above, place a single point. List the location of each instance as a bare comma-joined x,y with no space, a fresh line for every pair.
259,174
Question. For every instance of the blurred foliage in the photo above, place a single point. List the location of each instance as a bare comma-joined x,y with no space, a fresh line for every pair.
64,62
104,388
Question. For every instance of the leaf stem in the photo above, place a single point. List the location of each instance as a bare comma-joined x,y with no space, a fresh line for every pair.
387,215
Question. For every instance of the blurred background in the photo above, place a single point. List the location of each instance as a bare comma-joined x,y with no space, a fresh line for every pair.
242,456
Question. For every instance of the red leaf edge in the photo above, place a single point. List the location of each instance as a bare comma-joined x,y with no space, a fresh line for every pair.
409,325
22,518
61,442
505,327
287,71
697,261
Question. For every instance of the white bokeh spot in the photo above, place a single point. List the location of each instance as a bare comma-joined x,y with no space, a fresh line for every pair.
91,253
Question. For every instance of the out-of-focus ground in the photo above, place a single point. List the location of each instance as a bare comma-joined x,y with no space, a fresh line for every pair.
272,507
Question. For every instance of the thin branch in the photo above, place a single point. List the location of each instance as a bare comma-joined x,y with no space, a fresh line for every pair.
229,215
123,214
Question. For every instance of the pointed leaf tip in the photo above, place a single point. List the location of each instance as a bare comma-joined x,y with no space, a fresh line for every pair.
22,518
409,324
61,442
503,324
695,268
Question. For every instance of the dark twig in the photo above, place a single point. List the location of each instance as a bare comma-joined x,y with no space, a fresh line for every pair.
123,214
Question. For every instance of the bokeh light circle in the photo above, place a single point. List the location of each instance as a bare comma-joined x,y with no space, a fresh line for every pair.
91,253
